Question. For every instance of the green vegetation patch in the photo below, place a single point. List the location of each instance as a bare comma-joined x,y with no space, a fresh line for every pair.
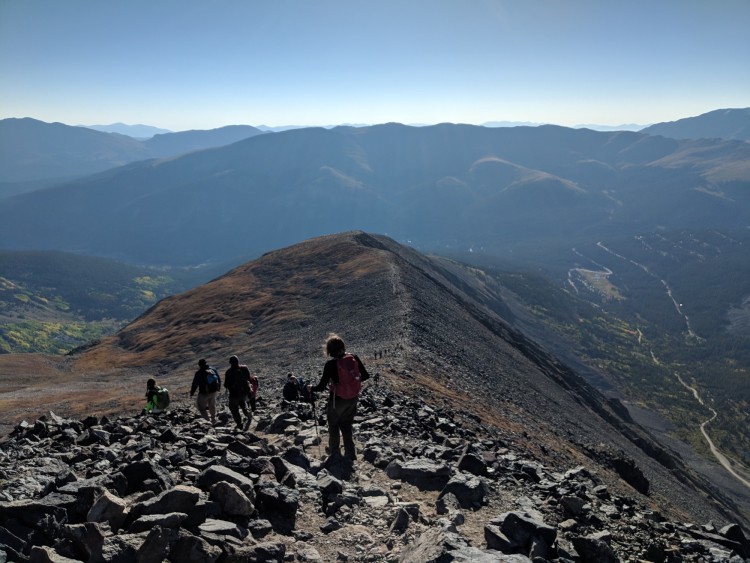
50,337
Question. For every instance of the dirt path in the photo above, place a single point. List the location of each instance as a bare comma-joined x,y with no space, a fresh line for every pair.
720,457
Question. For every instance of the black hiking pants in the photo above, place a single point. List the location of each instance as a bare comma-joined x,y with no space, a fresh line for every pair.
237,402
341,413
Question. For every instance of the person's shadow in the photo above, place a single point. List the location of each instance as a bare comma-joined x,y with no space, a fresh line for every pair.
340,467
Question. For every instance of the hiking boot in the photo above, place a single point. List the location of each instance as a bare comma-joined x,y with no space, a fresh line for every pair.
247,423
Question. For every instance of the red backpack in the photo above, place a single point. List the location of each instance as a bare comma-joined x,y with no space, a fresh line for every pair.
350,381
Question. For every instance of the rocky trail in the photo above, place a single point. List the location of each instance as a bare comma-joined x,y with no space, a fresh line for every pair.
429,485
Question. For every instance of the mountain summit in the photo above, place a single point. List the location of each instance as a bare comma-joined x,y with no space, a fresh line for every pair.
436,333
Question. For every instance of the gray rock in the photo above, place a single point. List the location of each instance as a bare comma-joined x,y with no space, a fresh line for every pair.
44,554
221,528
447,503
401,522
259,527
573,505
140,472
297,456
217,473
108,508
422,473
497,540
279,505
9,539
181,498
472,463
265,552
145,523
188,547
32,512
433,546
122,548
329,485
594,549
231,499
281,422
470,491
331,525
87,538
520,530
476,555
155,547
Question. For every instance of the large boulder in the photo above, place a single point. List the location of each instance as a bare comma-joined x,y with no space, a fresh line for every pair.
422,473
434,546
141,472
519,532
231,499
595,548
217,473
279,505
469,490
108,508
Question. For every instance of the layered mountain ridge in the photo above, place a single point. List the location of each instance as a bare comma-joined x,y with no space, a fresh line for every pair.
35,151
521,190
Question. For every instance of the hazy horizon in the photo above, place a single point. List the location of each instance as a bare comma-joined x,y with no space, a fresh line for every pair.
182,65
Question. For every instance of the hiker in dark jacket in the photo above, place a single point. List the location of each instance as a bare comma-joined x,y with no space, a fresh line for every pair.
291,389
237,382
207,390
342,375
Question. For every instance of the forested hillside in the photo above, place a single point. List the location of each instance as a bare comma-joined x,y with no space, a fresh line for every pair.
52,301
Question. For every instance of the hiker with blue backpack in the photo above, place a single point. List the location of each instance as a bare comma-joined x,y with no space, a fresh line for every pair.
343,375
207,382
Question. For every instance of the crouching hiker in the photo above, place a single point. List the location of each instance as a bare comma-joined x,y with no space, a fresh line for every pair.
237,382
157,398
343,375
207,382
290,392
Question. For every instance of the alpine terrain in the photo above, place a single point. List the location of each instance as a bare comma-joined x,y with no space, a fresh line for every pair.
474,443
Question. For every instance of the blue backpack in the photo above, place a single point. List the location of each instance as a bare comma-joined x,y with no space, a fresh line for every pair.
213,382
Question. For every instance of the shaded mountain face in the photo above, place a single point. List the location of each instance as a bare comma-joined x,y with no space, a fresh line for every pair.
509,190
432,329
32,150
717,124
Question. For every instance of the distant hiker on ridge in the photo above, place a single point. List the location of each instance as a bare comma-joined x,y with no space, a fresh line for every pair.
207,381
237,382
343,375
157,398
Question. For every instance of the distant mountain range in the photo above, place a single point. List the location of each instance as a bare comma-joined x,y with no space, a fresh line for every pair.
520,189
719,124
32,150
136,131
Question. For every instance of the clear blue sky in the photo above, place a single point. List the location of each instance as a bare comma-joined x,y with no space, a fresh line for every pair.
200,64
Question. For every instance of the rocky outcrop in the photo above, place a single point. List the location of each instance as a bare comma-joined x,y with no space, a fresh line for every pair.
176,488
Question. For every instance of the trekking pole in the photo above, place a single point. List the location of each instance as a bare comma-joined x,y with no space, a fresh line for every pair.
315,420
